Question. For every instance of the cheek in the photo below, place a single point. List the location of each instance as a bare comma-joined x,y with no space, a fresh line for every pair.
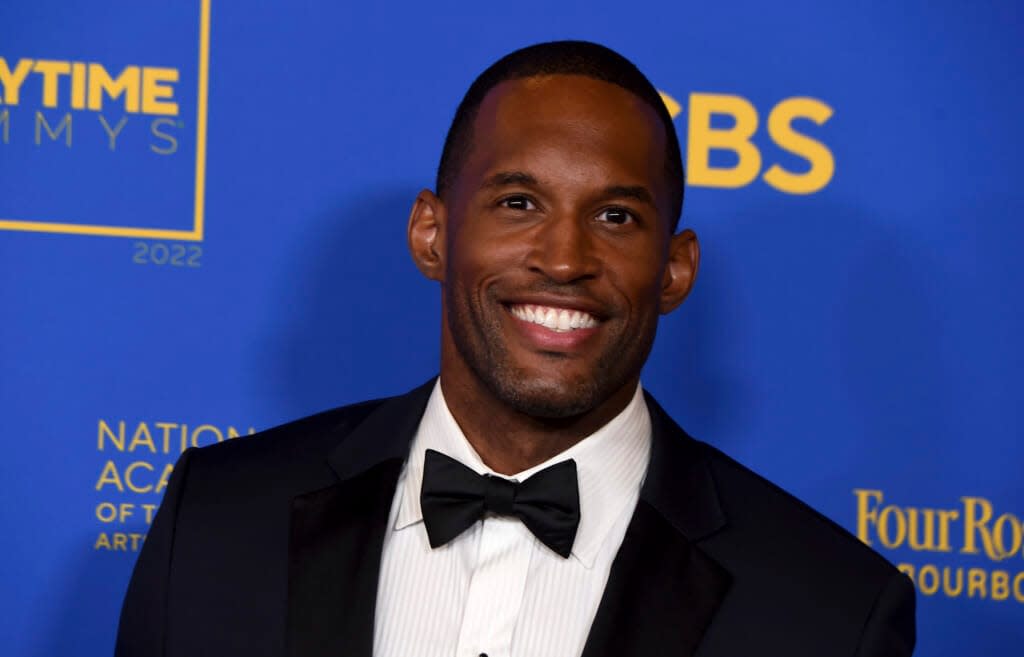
470,280
476,258
639,286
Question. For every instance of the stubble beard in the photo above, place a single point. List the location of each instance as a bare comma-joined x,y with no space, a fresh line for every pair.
480,341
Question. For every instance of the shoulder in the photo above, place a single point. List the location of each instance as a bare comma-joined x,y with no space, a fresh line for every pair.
301,435
778,547
801,574
749,522
764,512
285,459
309,453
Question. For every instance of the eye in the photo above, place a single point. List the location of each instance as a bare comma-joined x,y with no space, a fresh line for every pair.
517,203
617,216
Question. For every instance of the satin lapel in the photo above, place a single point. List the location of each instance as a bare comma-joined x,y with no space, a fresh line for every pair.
660,596
334,559
663,591
337,534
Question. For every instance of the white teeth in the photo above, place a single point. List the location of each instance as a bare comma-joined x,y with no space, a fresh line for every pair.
556,319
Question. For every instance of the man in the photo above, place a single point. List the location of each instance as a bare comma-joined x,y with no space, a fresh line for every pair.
532,501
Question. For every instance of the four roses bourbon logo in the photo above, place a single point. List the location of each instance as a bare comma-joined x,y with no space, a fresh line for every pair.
973,530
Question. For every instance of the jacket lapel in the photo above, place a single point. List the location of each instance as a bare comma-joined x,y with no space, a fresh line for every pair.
663,591
661,594
337,534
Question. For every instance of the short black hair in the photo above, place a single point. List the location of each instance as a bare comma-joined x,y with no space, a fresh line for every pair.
560,58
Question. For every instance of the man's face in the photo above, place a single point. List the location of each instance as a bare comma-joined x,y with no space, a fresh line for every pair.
556,244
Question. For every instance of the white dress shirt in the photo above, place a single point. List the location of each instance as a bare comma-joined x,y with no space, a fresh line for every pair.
496,590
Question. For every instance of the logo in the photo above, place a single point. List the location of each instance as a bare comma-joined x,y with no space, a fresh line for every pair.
967,549
137,461
707,141
110,145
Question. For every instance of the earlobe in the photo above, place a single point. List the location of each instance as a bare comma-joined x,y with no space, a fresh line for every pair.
681,270
426,234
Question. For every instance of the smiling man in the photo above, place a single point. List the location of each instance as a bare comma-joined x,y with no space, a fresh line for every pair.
533,500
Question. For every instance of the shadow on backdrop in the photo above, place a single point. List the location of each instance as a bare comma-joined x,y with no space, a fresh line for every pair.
361,321
810,330
85,614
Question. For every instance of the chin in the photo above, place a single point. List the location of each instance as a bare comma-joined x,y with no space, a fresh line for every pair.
547,398
550,387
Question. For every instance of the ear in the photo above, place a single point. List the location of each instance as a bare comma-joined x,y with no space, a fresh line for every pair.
681,270
426,234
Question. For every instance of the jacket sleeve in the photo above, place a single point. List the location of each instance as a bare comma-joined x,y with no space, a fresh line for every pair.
890,630
142,631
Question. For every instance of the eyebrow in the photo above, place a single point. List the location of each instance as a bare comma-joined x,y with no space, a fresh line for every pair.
635,192
638,193
506,178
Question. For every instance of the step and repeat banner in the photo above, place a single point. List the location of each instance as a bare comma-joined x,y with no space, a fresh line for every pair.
202,235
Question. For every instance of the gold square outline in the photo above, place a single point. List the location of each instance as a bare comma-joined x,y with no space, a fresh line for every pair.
194,235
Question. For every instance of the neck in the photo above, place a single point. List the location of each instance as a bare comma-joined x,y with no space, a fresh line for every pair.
508,441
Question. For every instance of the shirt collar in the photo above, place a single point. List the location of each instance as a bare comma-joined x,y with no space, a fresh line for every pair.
610,463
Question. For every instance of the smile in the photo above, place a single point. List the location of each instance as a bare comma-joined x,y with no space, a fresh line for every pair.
560,320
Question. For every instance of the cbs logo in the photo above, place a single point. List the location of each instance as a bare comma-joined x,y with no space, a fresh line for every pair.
703,137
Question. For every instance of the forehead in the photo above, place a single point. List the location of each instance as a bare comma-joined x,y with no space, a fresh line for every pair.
569,123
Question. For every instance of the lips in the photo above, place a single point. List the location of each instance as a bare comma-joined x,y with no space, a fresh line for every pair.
553,318
552,329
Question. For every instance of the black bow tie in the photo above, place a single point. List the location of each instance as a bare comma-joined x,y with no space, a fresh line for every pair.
453,497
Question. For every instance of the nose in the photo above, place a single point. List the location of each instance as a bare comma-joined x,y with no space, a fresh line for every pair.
564,250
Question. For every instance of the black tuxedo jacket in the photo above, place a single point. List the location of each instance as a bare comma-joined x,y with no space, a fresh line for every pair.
270,545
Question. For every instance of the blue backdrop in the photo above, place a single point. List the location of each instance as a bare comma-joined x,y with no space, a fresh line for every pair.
202,220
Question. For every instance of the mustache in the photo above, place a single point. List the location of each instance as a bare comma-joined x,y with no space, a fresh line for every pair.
574,289
574,293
